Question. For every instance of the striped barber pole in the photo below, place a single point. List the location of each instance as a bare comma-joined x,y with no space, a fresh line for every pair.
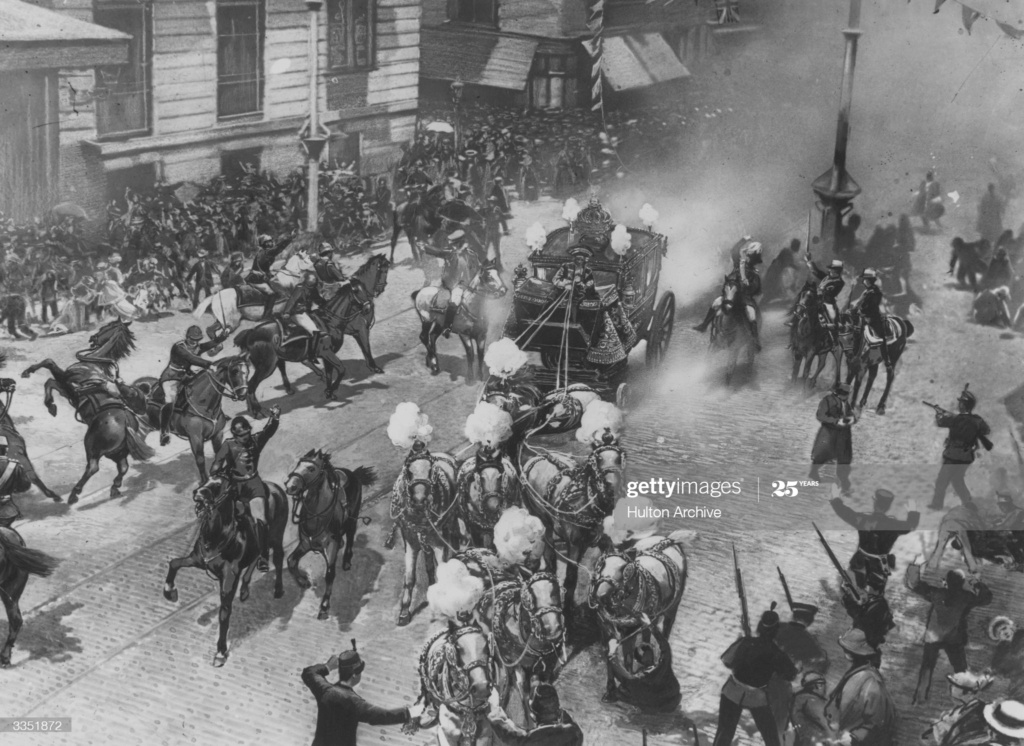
594,46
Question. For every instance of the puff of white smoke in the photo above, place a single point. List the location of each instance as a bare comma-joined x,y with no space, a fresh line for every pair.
648,215
623,524
621,240
536,236
408,424
598,418
503,358
489,424
519,536
570,209
456,591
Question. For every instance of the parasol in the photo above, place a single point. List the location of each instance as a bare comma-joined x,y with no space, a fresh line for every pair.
440,127
70,210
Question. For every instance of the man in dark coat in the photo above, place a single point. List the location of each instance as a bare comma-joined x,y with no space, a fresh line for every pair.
555,726
966,431
185,354
500,198
203,272
643,675
870,613
834,441
753,662
340,709
999,271
990,214
231,277
877,533
860,711
785,259
967,262
868,307
946,629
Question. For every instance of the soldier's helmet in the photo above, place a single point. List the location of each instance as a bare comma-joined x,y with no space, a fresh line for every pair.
240,426
194,333
769,621
967,400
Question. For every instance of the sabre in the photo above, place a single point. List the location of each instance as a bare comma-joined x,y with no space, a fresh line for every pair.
744,613
785,587
837,564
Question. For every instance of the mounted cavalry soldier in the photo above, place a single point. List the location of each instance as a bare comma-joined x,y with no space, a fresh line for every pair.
185,354
830,284
259,276
750,288
325,268
13,479
877,533
459,260
299,309
238,459
868,309
966,431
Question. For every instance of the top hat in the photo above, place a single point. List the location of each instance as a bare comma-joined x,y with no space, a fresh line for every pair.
854,641
884,498
1006,717
803,613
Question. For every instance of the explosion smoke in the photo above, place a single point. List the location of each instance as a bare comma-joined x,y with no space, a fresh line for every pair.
519,536
570,209
489,424
598,418
536,236
648,215
621,240
503,358
408,424
456,591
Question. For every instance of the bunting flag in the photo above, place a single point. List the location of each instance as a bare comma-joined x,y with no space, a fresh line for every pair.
970,16
595,46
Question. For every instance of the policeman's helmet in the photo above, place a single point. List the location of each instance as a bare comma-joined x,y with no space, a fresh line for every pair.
967,400
240,426
194,334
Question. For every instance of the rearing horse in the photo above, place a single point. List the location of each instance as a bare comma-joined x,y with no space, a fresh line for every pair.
809,340
730,330
572,501
423,504
107,406
326,504
198,415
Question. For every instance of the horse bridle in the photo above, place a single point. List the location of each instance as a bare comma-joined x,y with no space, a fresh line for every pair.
534,613
307,488
483,663
235,393
598,470
597,580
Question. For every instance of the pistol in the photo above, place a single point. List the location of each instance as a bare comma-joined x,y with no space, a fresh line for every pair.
936,407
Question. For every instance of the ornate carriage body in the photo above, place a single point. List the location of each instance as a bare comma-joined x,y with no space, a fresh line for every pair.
565,329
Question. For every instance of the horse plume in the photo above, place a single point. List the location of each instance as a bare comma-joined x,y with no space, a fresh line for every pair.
504,358
621,240
599,418
519,536
489,424
456,591
408,424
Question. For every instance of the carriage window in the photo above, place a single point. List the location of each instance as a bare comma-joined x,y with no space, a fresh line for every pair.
544,273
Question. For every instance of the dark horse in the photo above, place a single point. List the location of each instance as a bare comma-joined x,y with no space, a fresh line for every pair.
349,312
17,562
868,356
730,330
470,320
572,500
326,501
107,406
809,339
198,416
16,449
228,551
427,217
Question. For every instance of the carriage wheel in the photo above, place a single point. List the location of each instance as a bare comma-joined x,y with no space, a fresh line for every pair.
623,394
662,324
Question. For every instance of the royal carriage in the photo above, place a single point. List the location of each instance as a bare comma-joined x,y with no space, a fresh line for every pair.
571,331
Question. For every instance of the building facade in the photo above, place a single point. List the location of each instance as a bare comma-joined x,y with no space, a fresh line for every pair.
531,52
212,86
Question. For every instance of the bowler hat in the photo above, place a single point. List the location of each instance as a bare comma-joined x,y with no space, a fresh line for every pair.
350,664
1006,717
854,641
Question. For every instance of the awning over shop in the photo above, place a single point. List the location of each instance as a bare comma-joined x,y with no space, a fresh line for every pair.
639,60
478,59
34,38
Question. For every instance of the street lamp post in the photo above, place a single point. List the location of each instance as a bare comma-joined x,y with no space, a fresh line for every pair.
457,87
836,188
313,138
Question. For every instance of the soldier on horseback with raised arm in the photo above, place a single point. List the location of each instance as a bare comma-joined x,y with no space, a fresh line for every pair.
750,288
868,310
260,274
459,258
300,305
238,460
185,354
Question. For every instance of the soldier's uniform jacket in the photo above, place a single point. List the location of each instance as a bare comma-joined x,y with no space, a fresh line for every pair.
241,461
828,287
753,661
870,303
182,360
327,271
302,300
877,532
340,710
12,480
872,616
965,429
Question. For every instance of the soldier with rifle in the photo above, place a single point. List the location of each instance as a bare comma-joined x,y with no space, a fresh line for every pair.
966,431
795,638
753,661
877,531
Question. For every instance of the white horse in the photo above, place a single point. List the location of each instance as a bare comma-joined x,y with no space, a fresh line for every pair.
229,312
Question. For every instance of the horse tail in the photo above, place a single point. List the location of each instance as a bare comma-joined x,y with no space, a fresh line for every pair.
32,561
204,304
138,448
364,475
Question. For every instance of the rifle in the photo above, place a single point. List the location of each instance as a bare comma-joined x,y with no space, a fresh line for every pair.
838,565
785,587
744,613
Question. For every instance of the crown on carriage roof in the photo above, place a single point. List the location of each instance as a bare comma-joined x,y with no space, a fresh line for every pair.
593,220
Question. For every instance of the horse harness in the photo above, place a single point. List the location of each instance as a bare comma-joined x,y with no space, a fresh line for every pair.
446,681
232,392
646,584
399,509
590,513
513,601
